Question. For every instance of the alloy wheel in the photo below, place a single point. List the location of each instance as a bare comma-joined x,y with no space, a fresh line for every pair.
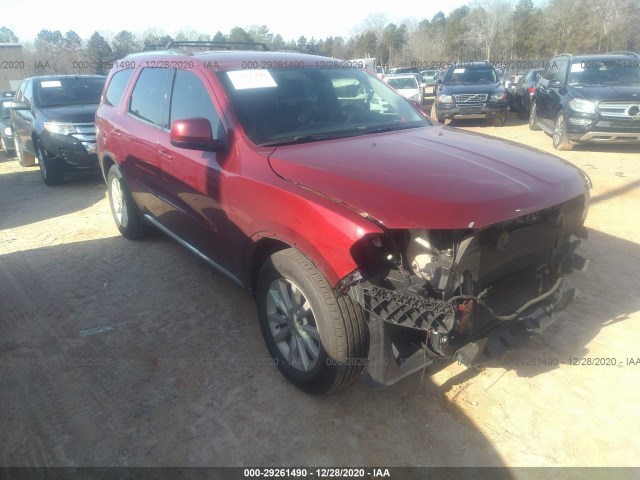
118,201
292,325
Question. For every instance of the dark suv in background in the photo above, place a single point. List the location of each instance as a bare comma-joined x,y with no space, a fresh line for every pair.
471,90
589,98
52,119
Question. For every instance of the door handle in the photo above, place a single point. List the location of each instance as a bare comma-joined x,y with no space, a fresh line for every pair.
166,155
116,132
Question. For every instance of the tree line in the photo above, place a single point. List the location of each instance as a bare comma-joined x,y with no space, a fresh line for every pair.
497,30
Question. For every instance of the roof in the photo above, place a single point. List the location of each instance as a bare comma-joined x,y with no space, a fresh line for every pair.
622,56
61,77
223,60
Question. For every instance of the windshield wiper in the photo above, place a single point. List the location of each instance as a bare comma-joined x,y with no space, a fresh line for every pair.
388,128
298,139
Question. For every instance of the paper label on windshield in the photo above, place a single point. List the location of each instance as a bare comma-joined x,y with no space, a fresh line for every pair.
458,70
50,84
576,67
258,78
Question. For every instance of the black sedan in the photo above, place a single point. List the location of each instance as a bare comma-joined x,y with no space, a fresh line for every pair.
522,93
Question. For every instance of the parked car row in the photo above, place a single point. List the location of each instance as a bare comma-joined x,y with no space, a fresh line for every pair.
374,241
588,98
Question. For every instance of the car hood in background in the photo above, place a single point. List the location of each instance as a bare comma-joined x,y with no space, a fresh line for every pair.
432,177
452,88
71,113
628,92
408,92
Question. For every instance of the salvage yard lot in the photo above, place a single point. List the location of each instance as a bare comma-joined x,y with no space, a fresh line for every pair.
115,352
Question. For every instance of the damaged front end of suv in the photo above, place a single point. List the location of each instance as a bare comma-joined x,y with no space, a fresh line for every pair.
468,294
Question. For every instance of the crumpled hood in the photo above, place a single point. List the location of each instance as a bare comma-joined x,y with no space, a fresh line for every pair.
432,177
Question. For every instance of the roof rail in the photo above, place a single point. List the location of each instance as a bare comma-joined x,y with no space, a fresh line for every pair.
222,45
152,47
624,52
564,55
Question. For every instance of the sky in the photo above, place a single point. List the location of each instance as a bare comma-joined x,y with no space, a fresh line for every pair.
290,18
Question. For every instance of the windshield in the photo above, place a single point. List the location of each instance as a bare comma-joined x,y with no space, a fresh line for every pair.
59,92
429,74
471,75
400,83
298,105
604,71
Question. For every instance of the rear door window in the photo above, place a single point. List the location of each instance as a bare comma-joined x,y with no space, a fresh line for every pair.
149,95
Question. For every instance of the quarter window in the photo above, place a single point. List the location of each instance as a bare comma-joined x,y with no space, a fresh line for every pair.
190,99
149,94
117,85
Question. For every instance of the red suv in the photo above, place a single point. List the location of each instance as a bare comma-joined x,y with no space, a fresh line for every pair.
374,241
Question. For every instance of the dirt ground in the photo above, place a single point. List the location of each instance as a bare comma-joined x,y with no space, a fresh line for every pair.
122,353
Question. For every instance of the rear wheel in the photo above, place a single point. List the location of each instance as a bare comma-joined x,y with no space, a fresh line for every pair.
51,171
24,159
294,303
522,112
124,211
533,117
500,120
560,139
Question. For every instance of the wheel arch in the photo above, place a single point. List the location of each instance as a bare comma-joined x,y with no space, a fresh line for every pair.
107,160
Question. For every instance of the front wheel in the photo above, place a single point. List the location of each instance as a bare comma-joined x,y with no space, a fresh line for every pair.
533,117
435,116
124,211
52,173
295,303
560,139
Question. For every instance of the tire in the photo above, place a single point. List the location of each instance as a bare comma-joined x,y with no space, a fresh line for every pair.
438,118
124,211
52,173
24,159
533,117
288,284
500,120
560,139
522,112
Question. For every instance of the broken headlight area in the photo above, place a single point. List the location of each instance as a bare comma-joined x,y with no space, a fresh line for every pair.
466,294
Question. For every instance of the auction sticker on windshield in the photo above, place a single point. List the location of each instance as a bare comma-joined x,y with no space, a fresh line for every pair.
244,79
50,84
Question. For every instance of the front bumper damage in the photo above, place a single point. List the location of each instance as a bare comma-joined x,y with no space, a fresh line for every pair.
508,290
396,352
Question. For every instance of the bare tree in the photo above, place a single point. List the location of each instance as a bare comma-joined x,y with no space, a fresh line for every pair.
486,21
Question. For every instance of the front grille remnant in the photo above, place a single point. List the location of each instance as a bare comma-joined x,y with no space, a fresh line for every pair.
402,309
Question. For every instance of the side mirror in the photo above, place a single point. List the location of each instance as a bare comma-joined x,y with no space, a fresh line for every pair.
194,134
19,106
